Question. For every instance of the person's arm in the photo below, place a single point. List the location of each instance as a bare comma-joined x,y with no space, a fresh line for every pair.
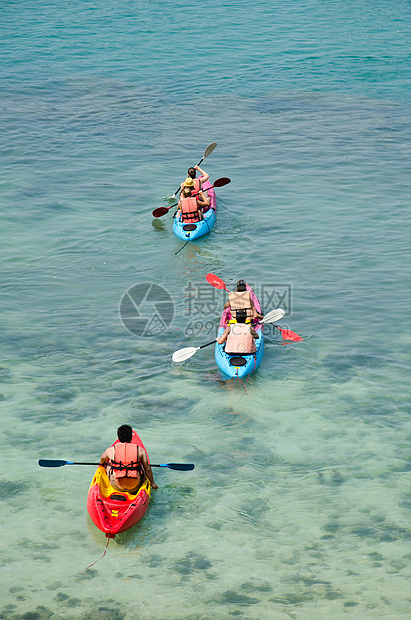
107,455
202,200
227,304
204,176
254,333
256,315
148,470
221,339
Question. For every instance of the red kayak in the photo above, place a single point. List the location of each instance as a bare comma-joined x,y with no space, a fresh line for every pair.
115,511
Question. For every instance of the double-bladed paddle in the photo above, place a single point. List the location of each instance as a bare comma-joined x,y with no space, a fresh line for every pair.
160,211
184,354
286,333
207,152
59,463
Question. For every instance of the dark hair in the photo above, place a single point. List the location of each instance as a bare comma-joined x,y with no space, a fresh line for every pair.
241,286
241,316
125,433
191,173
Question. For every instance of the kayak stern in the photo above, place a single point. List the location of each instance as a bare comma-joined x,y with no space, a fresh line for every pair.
115,511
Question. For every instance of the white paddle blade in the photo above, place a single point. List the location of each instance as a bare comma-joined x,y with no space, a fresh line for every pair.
273,316
184,354
209,149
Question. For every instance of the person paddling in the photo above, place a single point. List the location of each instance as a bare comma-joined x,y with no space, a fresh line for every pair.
126,463
191,203
239,300
198,181
239,336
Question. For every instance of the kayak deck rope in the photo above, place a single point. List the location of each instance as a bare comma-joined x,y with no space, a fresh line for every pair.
105,551
182,247
242,382
255,363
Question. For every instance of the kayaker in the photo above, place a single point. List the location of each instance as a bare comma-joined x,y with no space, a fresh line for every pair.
198,181
191,203
239,336
127,464
240,299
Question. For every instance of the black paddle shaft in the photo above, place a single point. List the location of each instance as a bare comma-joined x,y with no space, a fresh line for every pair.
208,344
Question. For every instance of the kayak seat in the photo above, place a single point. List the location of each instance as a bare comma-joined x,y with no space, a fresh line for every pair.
237,361
189,227
117,497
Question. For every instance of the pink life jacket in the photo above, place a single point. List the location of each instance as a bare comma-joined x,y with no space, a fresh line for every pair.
240,300
240,339
189,209
126,463
197,185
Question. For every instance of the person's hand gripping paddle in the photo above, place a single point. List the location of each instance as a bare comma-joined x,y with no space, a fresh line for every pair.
207,152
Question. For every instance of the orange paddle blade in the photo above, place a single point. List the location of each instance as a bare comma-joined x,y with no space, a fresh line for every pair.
289,335
216,281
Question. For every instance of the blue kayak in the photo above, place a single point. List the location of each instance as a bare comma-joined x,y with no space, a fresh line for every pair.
239,365
198,229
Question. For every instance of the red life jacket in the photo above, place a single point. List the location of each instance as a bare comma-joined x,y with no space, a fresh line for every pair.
126,463
240,300
189,209
240,340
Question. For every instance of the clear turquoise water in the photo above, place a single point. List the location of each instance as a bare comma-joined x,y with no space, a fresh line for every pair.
299,505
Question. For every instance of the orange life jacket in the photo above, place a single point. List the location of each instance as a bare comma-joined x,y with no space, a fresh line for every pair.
240,339
240,300
197,185
189,209
126,463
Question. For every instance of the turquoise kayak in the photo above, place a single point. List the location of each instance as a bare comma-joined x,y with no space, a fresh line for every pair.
239,365
189,232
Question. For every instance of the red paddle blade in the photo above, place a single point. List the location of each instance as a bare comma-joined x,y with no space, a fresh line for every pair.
221,182
289,335
216,281
160,212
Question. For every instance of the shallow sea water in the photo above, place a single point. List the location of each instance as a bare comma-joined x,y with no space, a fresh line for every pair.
299,503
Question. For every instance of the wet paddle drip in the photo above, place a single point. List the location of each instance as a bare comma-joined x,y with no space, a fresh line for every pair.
98,560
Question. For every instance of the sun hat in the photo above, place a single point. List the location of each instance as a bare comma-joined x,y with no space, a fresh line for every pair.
189,182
